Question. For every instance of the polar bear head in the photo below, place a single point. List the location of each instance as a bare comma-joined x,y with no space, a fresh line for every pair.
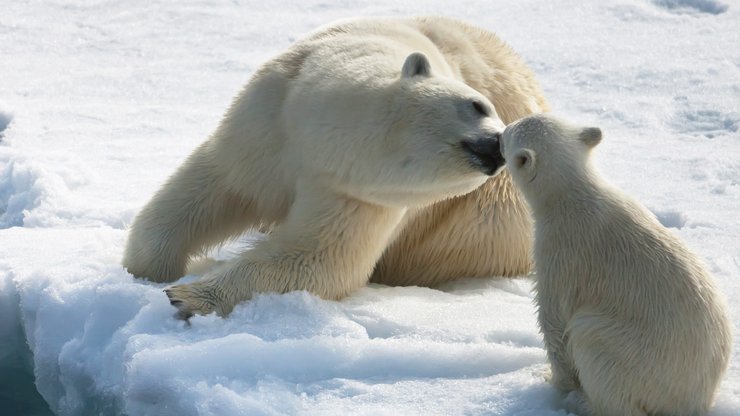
434,138
546,155
445,111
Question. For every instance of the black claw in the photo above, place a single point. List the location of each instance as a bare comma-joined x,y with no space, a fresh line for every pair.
184,316
181,313
173,302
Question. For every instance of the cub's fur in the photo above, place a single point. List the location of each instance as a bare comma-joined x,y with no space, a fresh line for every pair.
632,321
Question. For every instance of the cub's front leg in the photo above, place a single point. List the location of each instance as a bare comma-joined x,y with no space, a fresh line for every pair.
328,245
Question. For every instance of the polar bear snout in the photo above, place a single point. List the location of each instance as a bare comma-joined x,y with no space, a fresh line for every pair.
485,154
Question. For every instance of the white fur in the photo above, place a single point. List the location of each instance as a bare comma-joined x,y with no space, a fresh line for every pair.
347,146
631,318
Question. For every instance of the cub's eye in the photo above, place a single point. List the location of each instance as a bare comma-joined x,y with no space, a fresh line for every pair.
521,160
480,108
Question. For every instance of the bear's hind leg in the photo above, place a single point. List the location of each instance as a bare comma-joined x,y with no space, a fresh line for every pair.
605,353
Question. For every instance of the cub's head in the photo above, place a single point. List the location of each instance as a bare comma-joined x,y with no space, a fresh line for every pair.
545,155
445,133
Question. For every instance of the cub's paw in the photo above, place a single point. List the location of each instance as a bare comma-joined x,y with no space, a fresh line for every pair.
562,380
575,402
191,299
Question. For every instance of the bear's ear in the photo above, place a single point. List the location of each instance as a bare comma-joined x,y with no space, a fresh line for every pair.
416,65
591,136
524,159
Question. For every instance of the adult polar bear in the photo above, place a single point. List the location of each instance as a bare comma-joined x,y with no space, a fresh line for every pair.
365,146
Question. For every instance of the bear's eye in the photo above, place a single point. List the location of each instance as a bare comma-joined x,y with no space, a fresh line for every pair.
480,108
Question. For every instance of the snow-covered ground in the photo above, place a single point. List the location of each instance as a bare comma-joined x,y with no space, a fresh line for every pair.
101,100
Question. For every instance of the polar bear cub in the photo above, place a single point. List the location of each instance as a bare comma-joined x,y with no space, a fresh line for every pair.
632,321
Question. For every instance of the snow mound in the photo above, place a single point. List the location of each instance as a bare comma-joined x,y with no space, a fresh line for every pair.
703,119
709,123
692,6
36,193
5,119
671,219
106,343
18,394
19,190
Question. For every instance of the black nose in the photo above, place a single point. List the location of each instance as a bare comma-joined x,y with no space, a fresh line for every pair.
485,153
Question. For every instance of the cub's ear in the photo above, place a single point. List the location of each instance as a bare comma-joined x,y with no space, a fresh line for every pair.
524,159
416,64
591,136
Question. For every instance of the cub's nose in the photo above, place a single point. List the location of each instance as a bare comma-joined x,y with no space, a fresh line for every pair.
485,153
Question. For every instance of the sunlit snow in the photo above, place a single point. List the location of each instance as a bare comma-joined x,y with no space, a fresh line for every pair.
101,100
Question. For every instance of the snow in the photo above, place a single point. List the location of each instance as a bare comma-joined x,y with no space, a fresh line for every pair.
101,100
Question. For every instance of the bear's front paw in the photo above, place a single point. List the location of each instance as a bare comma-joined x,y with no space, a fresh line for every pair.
192,299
